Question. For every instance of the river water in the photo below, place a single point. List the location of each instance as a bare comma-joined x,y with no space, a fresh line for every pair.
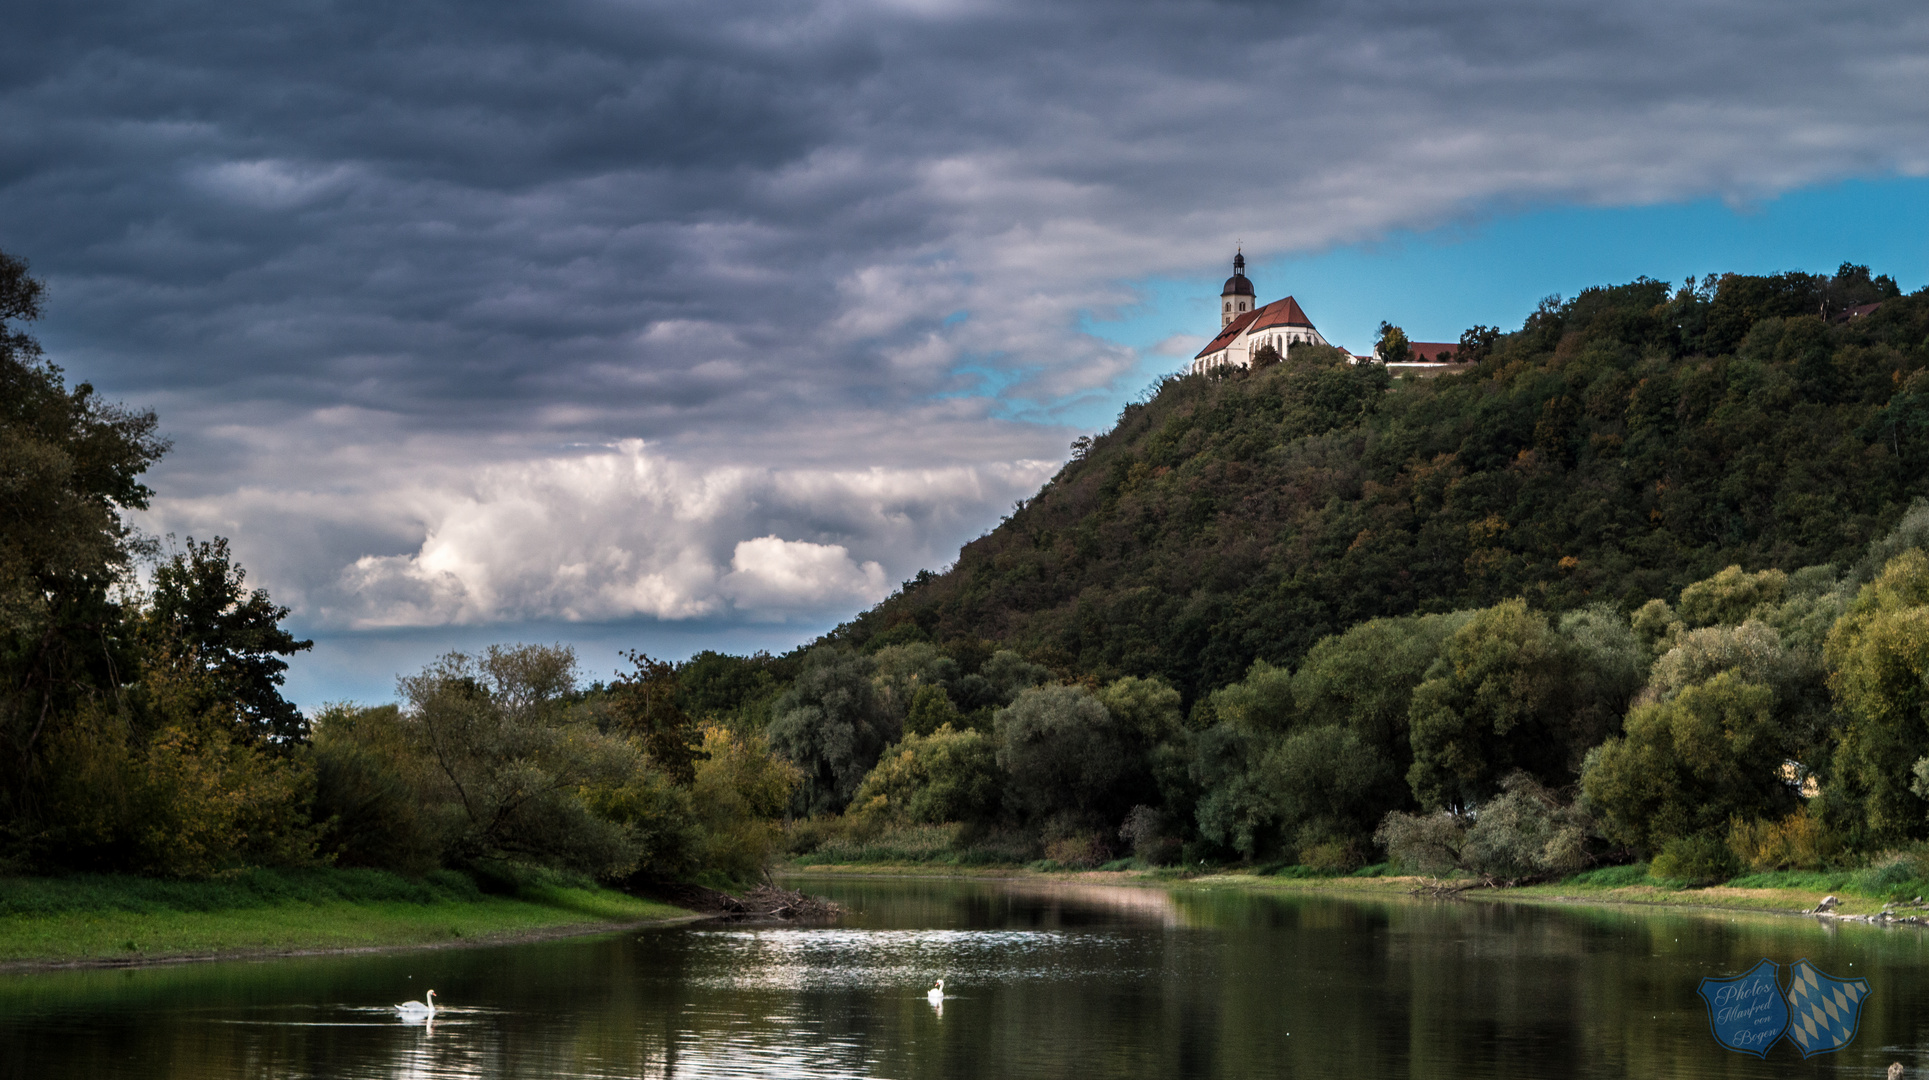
1082,982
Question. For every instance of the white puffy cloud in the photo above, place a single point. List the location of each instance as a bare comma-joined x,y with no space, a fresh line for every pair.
771,575
606,534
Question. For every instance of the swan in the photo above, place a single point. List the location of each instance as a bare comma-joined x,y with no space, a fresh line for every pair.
416,1008
936,993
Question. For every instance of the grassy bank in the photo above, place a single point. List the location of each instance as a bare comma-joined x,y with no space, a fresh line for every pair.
1861,892
122,919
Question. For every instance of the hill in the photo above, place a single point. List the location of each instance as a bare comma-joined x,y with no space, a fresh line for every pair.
1618,447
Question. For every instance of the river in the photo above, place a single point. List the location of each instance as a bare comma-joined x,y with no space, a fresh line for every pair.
1081,982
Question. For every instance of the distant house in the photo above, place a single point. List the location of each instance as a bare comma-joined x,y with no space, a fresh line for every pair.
1245,329
1433,352
1856,312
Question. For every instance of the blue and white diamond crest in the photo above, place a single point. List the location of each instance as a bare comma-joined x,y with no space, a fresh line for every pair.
1822,1010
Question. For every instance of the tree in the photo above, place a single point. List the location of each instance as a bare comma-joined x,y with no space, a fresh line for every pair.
1878,658
832,726
201,603
1063,754
1490,705
740,788
1476,344
1688,765
643,704
70,464
515,772
1392,346
944,776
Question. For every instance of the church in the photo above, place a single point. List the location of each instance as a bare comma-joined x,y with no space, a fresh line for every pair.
1245,329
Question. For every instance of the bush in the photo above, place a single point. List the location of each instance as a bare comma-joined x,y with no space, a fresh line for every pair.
1526,833
1078,852
1423,843
948,775
1797,842
1151,836
1332,857
1696,860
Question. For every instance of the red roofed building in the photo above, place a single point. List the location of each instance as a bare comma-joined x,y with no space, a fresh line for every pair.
1433,352
1244,330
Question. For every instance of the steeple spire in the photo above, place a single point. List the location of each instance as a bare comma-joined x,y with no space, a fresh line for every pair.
1237,297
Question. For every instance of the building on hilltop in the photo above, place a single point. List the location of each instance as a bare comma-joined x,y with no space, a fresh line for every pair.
1245,329
1433,352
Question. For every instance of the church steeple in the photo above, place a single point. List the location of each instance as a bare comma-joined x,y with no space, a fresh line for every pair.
1237,297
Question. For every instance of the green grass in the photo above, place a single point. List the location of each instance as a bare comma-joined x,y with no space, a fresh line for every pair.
100,917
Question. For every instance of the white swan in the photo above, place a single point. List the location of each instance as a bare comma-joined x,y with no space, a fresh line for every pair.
413,1009
936,993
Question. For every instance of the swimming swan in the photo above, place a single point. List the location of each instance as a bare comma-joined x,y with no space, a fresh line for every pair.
416,1008
936,993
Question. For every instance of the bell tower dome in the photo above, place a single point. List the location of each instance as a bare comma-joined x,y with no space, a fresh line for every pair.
1237,297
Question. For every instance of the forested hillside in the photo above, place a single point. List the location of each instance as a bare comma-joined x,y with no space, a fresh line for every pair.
1615,448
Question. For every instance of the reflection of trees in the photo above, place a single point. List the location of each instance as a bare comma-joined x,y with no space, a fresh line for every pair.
1091,984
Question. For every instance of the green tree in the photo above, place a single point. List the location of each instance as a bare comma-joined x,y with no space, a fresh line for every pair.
945,776
1878,658
739,791
831,724
1689,764
1063,754
200,601
644,704
1392,345
368,791
1492,703
70,465
514,766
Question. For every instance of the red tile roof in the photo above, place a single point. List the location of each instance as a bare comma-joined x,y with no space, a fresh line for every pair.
1231,331
1281,313
1427,352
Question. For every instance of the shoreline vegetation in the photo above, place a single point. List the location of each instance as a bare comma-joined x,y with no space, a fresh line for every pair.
113,920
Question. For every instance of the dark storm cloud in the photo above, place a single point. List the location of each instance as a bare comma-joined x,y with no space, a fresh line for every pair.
389,269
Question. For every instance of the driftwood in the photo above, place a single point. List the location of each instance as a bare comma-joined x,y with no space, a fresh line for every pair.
1442,889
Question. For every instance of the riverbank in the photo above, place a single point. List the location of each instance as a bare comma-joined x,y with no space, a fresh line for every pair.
107,920
1797,897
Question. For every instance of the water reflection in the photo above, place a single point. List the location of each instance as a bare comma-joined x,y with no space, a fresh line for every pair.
1040,981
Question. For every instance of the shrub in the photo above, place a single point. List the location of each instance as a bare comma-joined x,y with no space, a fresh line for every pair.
1696,860
1423,843
1332,857
1526,833
1079,852
1797,842
1151,836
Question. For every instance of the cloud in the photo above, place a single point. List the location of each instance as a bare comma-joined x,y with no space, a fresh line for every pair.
381,266
607,534
773,575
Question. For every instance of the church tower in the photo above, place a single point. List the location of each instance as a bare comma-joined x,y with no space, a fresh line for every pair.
1237,297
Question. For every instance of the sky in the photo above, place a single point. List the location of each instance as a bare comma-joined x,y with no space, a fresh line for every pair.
684,326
